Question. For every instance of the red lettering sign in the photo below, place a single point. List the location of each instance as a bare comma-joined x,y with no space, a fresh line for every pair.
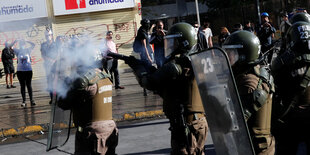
75,4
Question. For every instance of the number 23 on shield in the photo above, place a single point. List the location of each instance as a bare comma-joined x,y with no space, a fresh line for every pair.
207,65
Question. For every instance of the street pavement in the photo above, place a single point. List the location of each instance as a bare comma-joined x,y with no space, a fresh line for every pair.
150,137
128,103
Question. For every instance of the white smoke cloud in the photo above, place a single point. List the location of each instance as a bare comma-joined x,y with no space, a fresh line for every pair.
76,56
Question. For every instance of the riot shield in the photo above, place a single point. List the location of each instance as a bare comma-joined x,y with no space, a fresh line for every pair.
60,120
221,102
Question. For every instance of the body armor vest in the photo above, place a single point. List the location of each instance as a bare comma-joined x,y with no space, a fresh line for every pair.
196,102
255,89
180,87
102,101
262,118
94,102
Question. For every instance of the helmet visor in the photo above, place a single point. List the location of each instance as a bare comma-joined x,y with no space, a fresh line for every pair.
232,53
171,44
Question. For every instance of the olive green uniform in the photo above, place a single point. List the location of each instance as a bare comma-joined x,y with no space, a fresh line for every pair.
255,89
175,83
291,111
291,127
91,102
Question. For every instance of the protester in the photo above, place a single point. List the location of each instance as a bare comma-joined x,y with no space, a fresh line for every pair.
248,26
202,41
208,33
112,64
49,55
142,44
8,66
24,69
224,34
237,27
285,25
265,32
157,39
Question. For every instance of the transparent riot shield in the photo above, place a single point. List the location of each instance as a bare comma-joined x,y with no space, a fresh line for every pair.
221,102
60,120
59,127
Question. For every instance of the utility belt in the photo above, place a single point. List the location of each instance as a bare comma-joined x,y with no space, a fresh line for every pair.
194,116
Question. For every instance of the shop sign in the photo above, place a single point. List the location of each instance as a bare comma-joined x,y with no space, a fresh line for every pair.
11,10
64,7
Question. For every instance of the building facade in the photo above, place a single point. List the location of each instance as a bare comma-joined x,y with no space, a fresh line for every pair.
28,19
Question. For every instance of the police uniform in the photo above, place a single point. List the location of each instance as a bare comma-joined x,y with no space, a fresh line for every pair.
175,83
292,107
255,89
291,125
90,99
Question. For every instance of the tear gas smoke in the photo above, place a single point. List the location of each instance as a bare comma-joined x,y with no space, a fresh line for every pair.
75,56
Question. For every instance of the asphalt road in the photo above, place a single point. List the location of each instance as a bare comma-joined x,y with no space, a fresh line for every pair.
142,138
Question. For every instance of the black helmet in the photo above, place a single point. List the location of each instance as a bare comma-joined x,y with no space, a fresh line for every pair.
298,17
181,38
242,47
145,23
298,38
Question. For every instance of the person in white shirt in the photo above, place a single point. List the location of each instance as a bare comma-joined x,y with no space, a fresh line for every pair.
24,69
208,33
112,64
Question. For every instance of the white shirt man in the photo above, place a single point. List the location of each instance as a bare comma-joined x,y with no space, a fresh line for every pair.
208,34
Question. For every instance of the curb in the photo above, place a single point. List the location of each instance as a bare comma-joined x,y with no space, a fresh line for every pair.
44,127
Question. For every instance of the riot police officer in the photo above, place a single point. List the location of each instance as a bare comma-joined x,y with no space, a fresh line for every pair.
291,109
255,87
89,96
299,17
175,83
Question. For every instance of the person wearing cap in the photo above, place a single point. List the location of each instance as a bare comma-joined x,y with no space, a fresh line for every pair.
248,26
265,32
284,26
49,55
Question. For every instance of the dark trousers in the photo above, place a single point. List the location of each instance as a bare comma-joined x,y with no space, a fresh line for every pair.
114,72
24,78
291,134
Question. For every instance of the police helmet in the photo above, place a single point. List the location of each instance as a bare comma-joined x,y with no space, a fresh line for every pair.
181,38
264,14
242,47
298,17
298,38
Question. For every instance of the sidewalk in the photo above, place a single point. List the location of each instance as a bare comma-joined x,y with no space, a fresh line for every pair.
128,104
